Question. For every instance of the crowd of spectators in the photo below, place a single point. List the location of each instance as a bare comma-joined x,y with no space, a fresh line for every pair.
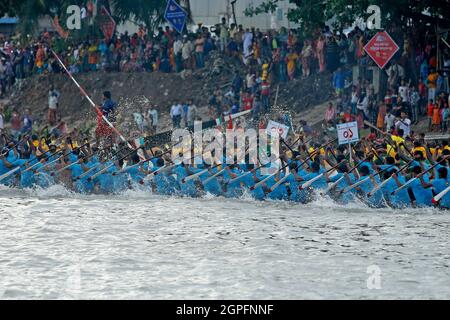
416,85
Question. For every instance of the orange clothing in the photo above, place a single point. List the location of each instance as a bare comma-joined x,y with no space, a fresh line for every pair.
381,115
92,53
430,108
432,78
436,116
291,59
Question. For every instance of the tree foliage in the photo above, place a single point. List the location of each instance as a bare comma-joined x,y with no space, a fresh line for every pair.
147,12
314,13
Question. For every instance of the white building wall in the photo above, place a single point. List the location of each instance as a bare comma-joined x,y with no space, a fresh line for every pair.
210,12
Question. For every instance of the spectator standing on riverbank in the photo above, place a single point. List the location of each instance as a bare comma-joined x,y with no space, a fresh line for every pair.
53,104
15,123
2,119
191,113
153,113
175,114
27,122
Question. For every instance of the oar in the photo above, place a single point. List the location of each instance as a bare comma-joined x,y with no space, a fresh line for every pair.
334,184
357,184
282,180
62,156
247,173
6,175
215,175
84,93
84,174
147,160
111,165
310,182
195,175
439,196
152,174
293,144
12,171
64,168
418,176
381,185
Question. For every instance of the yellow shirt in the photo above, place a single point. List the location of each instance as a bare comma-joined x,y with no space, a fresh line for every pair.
422,149
390,151
398,140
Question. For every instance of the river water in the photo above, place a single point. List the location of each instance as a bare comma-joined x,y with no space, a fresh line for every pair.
58,245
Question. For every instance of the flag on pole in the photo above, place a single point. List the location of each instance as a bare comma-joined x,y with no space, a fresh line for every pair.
107,23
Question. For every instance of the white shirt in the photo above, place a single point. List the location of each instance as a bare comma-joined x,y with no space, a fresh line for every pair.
405,125
186,50
354,97
176,110
192,112
403,92
363,105
52,102
177,46
2,126
389,120
154,114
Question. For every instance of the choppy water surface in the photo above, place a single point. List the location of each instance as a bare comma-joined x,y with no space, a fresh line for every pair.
55,245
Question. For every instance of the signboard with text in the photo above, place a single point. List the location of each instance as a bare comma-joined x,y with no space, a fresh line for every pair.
106,23
274,127
381,48
348,132
175,15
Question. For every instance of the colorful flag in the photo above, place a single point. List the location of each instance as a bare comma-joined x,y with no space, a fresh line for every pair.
107,23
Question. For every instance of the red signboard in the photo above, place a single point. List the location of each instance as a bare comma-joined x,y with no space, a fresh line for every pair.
381,48
107,23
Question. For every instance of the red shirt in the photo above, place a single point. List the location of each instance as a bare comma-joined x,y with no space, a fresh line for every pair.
265,88
422,89
248,103
15,122
347,117
430,108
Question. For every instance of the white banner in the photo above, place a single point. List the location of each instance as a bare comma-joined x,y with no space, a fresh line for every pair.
348,132
273,127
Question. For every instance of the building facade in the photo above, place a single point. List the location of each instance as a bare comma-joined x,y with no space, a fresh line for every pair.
210,12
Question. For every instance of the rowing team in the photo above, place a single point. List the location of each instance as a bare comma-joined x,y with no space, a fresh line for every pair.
367,172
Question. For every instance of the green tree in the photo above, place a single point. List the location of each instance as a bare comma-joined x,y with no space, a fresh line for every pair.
148,13
313,13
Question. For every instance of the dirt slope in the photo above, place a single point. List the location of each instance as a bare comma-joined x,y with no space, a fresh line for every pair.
129,89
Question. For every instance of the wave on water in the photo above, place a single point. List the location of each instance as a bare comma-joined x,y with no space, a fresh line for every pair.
318,203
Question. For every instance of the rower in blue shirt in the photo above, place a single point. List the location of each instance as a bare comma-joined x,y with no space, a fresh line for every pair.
376,200
401,199
440,184
422,193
